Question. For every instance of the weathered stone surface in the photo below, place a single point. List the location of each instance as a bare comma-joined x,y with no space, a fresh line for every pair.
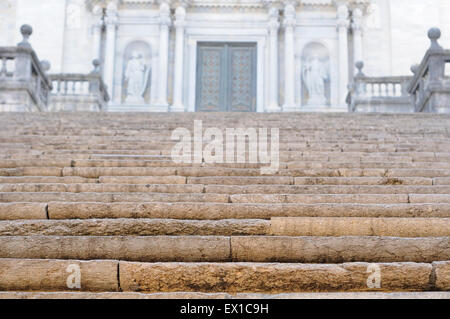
429,198
268,277
212,211
442,275
10,211
27,274
360,226
325,189
135,227
31,171
339,249
46,179
102,188
143,179
316,198
112,197
238,180
95,172
133,248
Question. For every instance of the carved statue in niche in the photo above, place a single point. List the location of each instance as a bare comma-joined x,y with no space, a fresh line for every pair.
136,73
316,75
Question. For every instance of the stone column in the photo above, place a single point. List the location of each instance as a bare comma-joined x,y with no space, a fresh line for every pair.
289,57
110,51
357,35
164,24
180,23
273,26
96,32
342,25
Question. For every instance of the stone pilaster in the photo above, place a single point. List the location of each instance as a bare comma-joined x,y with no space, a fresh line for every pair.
273,26
289,56
110,50
342,28
165,22
180,24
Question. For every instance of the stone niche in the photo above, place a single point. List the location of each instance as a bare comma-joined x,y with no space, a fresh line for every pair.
315,75
137,73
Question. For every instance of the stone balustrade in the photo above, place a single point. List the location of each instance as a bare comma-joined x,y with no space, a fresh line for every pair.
379,94
24,85
430,86
79,92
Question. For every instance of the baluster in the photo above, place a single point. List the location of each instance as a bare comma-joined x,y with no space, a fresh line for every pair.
71,87
86,88
390,89
65,87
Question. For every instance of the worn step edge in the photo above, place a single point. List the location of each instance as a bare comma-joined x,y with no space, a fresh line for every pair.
224,248
360,226
135,227
214,211
102,275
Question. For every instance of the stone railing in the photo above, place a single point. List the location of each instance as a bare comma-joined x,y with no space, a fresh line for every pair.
79,92
379,94
24,85
430,86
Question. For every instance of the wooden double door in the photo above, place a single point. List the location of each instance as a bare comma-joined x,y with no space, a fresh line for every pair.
226,77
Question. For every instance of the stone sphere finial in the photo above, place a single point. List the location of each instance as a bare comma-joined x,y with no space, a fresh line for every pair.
414,68
96,63
26,30
360,65
45,65
434,34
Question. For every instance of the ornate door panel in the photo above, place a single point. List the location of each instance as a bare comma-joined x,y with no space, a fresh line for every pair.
226,77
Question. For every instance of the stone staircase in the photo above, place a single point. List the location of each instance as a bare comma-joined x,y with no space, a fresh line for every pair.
359,208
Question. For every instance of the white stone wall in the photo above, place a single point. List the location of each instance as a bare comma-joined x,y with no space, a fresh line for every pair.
8,23
48,21
396,37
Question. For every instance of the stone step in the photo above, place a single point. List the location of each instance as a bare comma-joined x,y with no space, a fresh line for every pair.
46,179
44,274
359,226
215,211
278,226
31,171
281,190
14,211
135,227
108,197
202,295
321,198
227,249
325,189
279,278
113,197
135,248
231,278
288,180
96,172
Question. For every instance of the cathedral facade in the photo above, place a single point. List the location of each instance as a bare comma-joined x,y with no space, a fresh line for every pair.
227,55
